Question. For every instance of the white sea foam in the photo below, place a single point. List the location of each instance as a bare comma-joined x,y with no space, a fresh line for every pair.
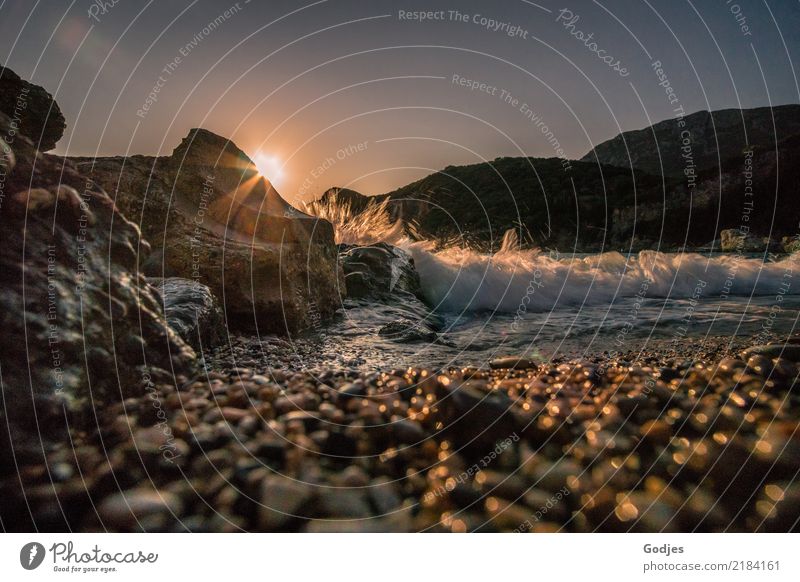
516,280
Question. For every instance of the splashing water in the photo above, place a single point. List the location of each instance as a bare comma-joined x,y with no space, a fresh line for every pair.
459,279
372,225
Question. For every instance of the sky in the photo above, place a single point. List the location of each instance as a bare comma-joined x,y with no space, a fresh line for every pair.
371,96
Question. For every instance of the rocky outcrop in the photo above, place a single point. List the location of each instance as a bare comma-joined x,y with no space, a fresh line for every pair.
385,273
734,241
378,270
81,327
212,218
192,312
703,142
32,111
790,244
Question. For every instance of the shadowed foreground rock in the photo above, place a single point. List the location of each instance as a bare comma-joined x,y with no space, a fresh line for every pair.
211,217
80,327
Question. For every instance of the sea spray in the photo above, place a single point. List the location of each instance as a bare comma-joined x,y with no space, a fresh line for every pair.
456,278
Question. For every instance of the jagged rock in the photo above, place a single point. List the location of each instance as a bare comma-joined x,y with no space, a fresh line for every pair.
409,331
790,244
31,110
81,326
378,270
211,217
733,241
192,311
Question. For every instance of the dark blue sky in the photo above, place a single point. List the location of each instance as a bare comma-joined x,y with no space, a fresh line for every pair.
308,82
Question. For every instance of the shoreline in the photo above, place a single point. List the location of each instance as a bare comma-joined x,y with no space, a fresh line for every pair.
666,444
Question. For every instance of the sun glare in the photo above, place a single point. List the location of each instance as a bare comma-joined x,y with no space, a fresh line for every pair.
269,166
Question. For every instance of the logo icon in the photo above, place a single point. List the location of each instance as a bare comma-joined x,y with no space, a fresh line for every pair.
31,555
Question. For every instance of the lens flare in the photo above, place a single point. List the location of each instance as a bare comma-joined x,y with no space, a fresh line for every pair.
269,166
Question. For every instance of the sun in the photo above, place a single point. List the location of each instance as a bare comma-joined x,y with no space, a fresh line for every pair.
269,166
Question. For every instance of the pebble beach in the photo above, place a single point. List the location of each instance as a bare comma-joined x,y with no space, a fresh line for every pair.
680,438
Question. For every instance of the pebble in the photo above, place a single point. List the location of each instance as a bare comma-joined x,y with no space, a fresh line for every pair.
282,499
511,362
648,442
139,510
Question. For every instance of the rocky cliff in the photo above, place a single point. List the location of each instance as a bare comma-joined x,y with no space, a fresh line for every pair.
703,141
591,206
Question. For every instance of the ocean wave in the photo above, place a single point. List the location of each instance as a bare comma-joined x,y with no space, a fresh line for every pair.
458,279
517,280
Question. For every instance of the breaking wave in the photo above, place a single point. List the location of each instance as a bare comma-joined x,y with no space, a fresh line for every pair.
458,279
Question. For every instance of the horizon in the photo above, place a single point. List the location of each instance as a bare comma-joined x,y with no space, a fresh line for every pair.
379,80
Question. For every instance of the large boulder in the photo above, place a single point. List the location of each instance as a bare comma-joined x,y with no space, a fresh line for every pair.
213,218
31,110
81,326
378,270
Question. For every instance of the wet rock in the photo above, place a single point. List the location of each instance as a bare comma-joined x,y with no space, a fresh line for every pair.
378,270
512,362
790,352
733,240
394,523
384,495
408,331
69,296
407,431
192,311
